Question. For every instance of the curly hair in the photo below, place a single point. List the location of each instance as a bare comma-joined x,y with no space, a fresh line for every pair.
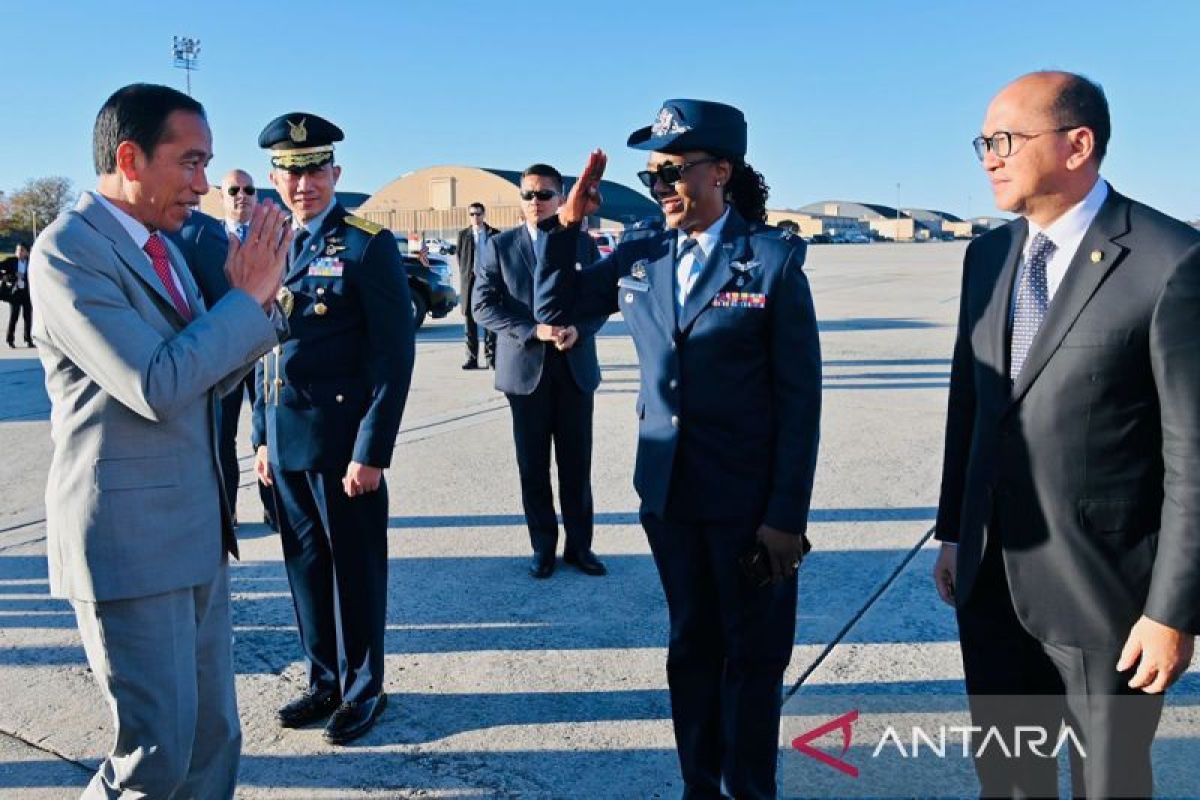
747,192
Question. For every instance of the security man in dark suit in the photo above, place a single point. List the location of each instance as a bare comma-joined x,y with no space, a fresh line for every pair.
468,254
729,410
326,423
204,243
549,375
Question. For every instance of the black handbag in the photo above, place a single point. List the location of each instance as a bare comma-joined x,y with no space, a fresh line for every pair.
8,288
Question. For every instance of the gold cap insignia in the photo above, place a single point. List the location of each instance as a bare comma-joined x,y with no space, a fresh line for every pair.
298,133
1097,256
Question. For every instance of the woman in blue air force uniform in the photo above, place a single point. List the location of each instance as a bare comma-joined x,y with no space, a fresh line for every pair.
722,317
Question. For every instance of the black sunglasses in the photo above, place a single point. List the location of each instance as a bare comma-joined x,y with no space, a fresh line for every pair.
540,194
670,174
233,190
474,213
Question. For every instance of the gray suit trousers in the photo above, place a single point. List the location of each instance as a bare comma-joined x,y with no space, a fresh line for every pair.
165,666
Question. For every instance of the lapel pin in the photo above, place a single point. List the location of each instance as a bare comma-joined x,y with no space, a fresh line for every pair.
1097,256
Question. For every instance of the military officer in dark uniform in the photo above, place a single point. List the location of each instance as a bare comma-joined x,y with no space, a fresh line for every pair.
723,322
325,425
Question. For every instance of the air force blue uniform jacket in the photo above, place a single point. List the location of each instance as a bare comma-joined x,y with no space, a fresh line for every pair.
335,391
730,396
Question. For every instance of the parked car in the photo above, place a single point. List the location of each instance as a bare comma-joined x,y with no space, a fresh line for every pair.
820,238
605,242
440,247
431,288
858,238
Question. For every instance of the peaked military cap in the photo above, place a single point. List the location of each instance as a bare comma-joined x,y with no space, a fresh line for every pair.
299,140
683,125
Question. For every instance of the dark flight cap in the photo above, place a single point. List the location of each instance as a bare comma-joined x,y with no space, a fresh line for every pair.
683,125
299,140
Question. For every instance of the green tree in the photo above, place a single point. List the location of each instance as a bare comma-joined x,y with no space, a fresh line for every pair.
36,204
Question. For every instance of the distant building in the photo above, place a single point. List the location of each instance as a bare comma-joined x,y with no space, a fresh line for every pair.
985,224
882,221
939,224
435,200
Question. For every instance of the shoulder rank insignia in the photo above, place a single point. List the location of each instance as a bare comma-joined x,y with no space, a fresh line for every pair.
363,224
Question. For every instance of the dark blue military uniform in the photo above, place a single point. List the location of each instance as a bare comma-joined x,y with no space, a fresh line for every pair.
728,429
332,393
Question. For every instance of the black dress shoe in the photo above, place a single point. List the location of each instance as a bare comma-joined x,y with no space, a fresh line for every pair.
470,363
352,720
542,565
312,706
586,562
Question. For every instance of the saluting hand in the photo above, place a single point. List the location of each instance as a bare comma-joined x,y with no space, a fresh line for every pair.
361,478
584,198
255,264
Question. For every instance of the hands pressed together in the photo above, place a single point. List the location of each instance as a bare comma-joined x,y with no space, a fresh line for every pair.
563,337
255,264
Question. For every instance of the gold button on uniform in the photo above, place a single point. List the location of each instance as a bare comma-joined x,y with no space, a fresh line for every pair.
279,381
319,309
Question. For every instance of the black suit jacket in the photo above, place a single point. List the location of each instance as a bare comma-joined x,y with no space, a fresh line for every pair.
204,244
1088,468
466,263
503,302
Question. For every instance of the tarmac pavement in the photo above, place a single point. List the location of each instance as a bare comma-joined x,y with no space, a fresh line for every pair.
502,686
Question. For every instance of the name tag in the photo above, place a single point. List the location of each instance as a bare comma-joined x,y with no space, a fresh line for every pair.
326,268
740,300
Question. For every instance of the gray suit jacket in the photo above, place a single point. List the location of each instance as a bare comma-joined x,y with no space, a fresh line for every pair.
503,302
1087,469
133,500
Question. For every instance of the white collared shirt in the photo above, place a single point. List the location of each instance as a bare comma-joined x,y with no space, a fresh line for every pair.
1067,233
533,231
687,271
140,235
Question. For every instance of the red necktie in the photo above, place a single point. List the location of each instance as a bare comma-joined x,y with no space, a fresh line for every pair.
157,251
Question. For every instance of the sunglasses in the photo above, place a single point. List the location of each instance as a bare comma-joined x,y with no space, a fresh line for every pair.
474,213
541,194
233,190
670,173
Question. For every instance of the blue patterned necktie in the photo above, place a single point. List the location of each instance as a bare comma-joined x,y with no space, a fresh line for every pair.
297,249
241,231
1029,308
686,271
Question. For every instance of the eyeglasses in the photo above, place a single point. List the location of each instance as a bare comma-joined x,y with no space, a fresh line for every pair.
540,194
474,213
233,190
1001,142
670,173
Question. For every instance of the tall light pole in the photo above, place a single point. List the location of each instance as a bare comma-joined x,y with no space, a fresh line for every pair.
897,211
186,51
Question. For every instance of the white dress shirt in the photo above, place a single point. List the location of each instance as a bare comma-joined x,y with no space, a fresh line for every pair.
689,267
140,235
1067,233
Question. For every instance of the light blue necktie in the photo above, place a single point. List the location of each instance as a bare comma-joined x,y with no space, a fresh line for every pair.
686,270
241,231
1029,308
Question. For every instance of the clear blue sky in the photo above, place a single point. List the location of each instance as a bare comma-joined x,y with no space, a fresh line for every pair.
844,100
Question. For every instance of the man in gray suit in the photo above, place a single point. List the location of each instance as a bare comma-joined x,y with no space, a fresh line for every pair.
138,530
1070,503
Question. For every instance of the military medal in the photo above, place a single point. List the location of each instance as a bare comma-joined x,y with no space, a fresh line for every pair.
286,300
